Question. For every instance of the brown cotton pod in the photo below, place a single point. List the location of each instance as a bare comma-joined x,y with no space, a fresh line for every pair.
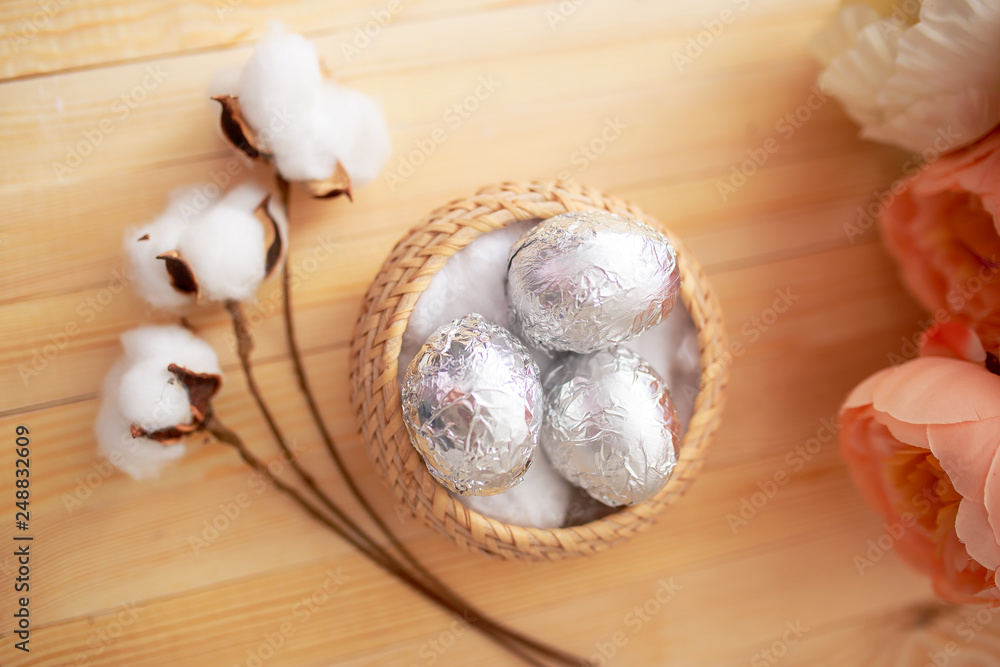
201,388
181,277
276,248
336,184
236,128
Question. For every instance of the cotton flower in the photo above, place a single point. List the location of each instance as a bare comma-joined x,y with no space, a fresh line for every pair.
921,443
155,395
313,129
215,251
944,229
932,83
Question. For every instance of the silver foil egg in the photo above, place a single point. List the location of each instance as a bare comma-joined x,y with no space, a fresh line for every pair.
585,280
610,425
472,402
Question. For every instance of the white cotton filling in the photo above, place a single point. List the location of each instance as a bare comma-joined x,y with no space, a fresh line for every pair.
152,397
472,280
226,252
220,239
359,133
307,124
175,343
540,500
150,278
140,458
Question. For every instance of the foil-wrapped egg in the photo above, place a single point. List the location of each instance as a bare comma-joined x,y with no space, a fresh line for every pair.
472,403
585,280
610,426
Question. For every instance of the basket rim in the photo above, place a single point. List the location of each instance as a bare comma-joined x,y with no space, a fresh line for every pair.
696,294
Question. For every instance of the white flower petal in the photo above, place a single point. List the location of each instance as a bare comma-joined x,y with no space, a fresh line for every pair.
941,123
908,84
956,45
856,76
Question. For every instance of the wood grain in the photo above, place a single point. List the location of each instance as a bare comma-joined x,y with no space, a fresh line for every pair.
118,577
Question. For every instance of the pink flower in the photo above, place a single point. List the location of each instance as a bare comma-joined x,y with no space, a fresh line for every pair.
922,442
944,229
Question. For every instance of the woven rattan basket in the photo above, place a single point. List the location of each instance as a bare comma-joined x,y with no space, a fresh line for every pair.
376,398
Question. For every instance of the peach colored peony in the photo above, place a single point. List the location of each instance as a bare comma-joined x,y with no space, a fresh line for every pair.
922,441
944,228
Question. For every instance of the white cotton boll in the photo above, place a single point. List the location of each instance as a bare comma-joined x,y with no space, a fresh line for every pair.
306,124
304,148
282,76
360,136
226,252
177,344
152,397
245,196
150,278
540,500
140,458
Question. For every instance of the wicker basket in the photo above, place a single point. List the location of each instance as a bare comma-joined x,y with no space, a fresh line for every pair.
376,397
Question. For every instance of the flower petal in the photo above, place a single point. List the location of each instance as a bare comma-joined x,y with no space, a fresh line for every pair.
937,123
966,451
954,46
911,434
973,528
864,393
857,75
863,446
991,496
954,340
935,390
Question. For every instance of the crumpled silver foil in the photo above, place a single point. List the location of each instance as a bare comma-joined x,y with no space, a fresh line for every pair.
585,280
472,402
610,425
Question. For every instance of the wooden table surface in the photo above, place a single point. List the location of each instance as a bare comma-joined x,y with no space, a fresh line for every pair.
104,111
